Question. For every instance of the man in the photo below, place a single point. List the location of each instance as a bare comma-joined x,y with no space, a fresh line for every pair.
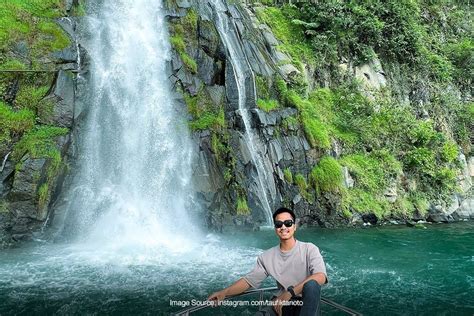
297,267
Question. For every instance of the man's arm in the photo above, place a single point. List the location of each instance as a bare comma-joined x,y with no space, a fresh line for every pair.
318,277
285,296
238,287
254,279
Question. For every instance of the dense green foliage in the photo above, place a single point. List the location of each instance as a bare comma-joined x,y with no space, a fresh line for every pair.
326,176
435,36
267,105
290,34
40,143
32,24
315,129
385,140
423,154
242,207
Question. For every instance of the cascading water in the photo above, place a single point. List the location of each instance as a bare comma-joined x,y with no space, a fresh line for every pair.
133,185
242,73
132,190
125,240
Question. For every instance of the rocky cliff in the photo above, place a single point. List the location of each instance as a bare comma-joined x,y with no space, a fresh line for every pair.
38,68
351,132
347,124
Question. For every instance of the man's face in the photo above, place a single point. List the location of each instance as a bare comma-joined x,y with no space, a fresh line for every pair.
284,232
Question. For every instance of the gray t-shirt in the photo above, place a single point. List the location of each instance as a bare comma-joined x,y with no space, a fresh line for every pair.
287,268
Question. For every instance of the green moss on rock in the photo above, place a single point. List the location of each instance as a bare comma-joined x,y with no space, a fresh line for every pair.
184,35
289,34
267,105
316,130
43,195
288,175
326,176
15,122
206,115
242,207
40,143
31,22
365,203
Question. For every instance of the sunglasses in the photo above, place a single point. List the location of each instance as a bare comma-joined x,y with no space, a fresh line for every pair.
287,223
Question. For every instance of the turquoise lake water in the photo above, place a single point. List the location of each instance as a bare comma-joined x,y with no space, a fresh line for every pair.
379,270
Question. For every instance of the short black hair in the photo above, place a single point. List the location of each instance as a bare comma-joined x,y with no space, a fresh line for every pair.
284,210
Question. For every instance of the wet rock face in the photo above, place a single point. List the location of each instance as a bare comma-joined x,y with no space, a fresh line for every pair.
465,210
29,185
5,226
220,181
26,179
24,209
63,98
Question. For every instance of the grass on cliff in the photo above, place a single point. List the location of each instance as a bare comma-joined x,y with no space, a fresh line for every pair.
32,97
15,122
177,41
29,34
326,176
183,34
318,114
43,195
263,87
40,143
32,23
380,139
242,207
429,45
316,130
288,175
289,34
27,109
435,38
267,105
206,115
373,173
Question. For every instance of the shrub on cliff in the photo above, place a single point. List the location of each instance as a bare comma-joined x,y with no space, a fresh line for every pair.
326,176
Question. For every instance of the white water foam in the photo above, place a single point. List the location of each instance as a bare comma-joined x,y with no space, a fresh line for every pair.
133,188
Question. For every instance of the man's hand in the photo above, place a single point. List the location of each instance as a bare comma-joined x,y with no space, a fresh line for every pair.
216,297
280,299
238,287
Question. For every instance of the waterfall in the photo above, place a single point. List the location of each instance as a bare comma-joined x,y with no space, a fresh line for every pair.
133,185
243,72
